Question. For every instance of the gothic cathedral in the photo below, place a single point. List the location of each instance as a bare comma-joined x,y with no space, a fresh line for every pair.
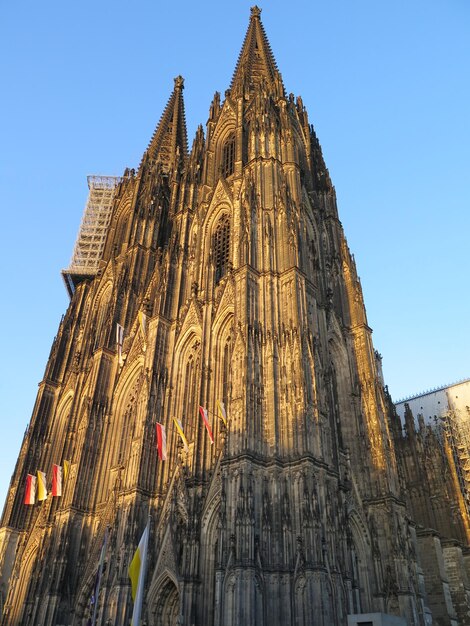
279,492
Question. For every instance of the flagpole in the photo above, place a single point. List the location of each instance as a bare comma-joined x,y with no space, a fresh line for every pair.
100,573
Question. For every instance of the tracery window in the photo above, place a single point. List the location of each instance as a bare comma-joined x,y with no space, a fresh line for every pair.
228,157
221,247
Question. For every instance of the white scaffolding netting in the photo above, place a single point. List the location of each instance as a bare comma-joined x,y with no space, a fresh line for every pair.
91,238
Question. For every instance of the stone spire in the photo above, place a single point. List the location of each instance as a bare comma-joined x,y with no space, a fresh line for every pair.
256,64
169,143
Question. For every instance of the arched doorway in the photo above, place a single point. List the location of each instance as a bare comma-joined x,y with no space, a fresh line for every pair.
166,609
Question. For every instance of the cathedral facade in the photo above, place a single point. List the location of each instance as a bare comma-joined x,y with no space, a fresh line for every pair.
227,272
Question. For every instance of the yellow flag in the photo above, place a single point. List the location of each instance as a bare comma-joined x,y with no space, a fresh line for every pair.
66,469
179,428
42,489
137,575
221,411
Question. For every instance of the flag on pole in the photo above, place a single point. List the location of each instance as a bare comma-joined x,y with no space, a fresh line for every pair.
222,412
119,334
203,413
119,340
30,493
161,442
66,470
42,489
143,327
179,428
137,575
99,574
56,480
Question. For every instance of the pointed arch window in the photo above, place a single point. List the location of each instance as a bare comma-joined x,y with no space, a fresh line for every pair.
228,157
226,372
103,319
127,428
191,390
221,247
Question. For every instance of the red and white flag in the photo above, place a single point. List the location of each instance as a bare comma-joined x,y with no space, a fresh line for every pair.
161,442
30,493
56,480
203,413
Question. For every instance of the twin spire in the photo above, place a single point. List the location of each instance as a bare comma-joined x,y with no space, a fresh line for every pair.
256,64
255,67
169,142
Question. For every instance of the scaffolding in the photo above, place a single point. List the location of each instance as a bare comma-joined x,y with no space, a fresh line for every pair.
89,246
457,430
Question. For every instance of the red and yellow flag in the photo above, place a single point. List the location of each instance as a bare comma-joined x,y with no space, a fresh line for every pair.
203,413
30,493
161,442
42,488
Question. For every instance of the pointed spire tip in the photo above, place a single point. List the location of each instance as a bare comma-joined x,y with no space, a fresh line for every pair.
170,131
256,64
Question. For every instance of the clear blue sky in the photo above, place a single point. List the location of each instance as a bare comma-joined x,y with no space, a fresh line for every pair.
386,85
